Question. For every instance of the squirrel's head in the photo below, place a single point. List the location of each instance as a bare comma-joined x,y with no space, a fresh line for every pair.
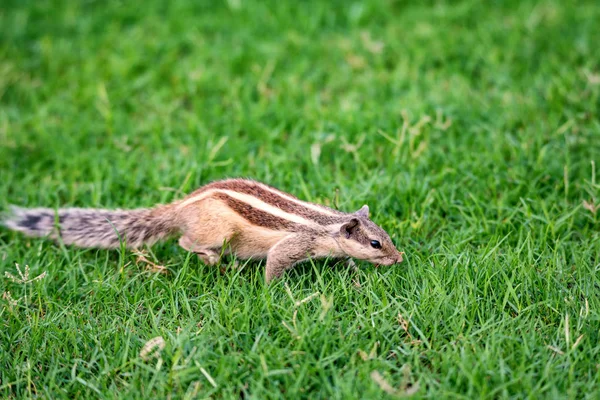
361,238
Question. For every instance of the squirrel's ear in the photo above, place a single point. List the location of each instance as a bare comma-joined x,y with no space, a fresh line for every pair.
363,212
349,227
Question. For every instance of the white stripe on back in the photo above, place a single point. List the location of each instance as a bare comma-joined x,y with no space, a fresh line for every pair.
311,206
251,201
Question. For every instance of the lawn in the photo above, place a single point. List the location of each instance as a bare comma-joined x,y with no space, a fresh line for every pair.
471,129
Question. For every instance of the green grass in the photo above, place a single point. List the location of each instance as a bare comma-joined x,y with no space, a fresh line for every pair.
471,129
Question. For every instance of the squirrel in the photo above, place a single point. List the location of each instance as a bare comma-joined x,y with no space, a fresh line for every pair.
253,220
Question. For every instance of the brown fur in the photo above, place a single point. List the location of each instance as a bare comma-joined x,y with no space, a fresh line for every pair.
257,217
276,198
248,218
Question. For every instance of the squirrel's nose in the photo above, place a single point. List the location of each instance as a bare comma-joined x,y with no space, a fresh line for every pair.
399,259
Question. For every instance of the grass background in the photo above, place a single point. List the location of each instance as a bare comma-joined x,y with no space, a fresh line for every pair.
471,128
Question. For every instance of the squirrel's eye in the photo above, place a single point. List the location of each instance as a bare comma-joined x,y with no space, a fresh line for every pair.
375,244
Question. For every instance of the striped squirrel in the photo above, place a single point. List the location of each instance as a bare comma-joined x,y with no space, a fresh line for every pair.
254,221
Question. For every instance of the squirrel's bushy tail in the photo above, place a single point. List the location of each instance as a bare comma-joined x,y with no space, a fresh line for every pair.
88,227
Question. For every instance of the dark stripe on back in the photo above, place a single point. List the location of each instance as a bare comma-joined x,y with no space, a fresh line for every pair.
258,217
255,190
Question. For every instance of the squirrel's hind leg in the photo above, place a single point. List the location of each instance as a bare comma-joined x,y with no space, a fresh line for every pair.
207,255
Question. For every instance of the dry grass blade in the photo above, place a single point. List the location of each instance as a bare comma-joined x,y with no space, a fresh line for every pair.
556,350
152,348
590,206
383,384
151,266
406,389
403,323
577,341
